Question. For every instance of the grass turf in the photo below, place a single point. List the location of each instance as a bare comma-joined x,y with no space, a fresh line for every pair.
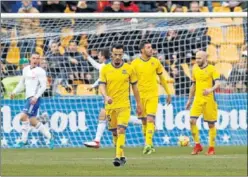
81,161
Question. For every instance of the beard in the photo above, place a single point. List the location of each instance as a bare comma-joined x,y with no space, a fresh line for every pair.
201,65
149,54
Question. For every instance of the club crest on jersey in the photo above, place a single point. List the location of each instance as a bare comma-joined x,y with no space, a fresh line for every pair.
124,71
152,63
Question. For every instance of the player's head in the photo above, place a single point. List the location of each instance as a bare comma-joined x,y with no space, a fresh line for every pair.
54,47
103,55
35,59
116,5
117,52
146,49
201,58
73,46
26,4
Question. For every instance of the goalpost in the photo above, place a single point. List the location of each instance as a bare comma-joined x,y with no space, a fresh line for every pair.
176,37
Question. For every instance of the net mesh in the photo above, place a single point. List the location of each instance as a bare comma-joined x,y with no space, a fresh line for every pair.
70,110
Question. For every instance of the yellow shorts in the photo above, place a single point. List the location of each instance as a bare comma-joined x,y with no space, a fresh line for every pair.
118,117
149,107
208,108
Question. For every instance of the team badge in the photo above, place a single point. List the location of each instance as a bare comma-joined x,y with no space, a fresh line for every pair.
124,71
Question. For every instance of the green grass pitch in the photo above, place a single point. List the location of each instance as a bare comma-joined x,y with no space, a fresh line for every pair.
229,161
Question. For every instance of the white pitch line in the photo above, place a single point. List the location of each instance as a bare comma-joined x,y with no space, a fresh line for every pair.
171,157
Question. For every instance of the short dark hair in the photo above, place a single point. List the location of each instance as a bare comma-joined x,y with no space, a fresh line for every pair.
35,53
117,46
105,53
143,43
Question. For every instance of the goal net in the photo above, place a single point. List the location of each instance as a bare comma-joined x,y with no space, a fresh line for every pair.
70,110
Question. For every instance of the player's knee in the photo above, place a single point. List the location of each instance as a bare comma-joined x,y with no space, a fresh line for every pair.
150,118
144,121
24,117
102,115
121,129
114,132
192,121
33,121
211,125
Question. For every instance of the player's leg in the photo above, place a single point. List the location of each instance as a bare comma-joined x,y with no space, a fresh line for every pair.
151,109
38,125
25,124
112,126
144,125
195,113
100,130
122,123
142,117
210,116
43,130
24,131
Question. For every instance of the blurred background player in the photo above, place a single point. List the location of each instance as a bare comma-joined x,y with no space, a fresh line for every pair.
34,81
104,58
205,82
147,69
115,80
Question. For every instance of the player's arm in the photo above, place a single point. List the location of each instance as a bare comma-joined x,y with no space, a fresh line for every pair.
216,86
216,79
43,85
133,80
163,82
137,98
191,91
95,64
96,83
103,88
19,87
191,95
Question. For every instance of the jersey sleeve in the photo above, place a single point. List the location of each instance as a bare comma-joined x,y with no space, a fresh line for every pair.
216,74
102,78
133,76
20,85
159,69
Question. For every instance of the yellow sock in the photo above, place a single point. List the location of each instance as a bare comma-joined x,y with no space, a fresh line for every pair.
212,135
120,145
149,133
195,133
122,153
144,126
114,140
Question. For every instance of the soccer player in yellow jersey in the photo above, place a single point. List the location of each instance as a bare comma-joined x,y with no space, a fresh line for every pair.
115,80
148,68
205,82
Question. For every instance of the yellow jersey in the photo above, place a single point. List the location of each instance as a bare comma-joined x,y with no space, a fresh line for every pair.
147,72
204,79
118,82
